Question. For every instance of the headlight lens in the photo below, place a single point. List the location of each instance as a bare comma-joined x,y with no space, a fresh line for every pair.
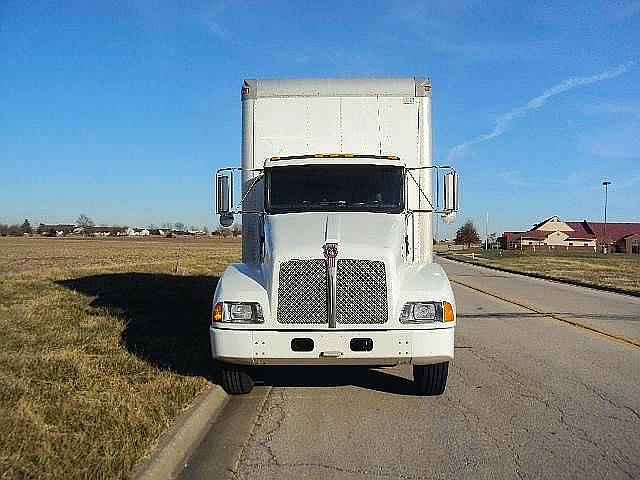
426,312
241,311
238,312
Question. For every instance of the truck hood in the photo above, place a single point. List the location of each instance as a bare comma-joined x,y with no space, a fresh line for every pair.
358,235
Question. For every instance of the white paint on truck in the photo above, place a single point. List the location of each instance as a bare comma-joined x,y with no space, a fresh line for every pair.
336,126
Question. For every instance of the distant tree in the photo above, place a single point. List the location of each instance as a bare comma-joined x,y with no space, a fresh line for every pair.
178,226
4,229
167,226
26,227
14,230
236,230
84,221
151,226
467,234
205,229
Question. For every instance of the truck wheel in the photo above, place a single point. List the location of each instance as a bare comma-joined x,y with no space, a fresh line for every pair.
430,379
235,380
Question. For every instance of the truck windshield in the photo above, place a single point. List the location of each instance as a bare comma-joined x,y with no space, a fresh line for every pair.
364,188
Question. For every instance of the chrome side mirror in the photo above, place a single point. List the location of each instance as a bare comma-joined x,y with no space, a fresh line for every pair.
224,195
451,192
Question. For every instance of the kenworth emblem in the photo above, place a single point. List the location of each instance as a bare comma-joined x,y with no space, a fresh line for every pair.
330,253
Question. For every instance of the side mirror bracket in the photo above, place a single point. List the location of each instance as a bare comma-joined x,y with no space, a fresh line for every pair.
450,192
224,195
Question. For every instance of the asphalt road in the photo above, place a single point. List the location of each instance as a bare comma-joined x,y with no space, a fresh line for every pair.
528,397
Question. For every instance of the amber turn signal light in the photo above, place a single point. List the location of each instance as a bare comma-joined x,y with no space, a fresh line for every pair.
447,313
217,313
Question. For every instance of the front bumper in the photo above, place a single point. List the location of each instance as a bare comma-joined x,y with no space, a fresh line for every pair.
390,347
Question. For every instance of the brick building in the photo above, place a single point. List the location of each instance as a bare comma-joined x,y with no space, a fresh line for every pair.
553,234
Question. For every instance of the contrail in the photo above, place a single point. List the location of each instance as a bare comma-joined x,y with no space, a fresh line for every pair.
504,121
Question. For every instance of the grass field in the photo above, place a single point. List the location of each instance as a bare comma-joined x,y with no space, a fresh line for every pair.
616,271
104,342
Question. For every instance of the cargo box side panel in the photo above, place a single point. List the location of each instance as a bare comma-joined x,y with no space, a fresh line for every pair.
399,128
360,125
281,127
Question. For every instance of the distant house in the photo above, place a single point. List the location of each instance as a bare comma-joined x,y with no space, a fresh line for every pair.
55,230
104,231
631,243
181,233
616,237
553,234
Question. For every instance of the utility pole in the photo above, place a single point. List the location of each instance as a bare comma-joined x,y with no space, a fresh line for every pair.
606,184
486,232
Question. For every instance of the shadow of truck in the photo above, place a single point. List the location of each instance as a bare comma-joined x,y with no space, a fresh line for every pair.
166,317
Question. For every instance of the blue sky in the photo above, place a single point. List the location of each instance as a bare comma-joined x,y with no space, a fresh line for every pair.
123,110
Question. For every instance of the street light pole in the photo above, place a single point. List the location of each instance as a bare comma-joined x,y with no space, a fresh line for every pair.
606,184
486,232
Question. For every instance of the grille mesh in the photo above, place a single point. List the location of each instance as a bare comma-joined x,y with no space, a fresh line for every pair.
302,292
361,292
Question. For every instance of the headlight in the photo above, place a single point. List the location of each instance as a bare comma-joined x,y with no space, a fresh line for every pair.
237,312
426,312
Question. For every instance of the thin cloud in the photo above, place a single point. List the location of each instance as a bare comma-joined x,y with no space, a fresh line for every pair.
504,121
513,178
629,182
441,27
619,140
627,107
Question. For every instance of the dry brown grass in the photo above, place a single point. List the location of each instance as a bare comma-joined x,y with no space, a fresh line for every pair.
614,271
104,342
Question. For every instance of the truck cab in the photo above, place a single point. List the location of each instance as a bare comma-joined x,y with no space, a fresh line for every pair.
336,201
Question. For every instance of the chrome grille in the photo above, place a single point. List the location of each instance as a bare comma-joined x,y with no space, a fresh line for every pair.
302,292
361,292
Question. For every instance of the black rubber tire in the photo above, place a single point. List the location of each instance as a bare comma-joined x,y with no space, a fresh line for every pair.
235,380
430,379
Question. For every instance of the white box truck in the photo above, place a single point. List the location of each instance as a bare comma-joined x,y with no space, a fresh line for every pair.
336,201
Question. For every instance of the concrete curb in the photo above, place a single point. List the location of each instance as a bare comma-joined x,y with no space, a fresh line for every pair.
576,283
180,440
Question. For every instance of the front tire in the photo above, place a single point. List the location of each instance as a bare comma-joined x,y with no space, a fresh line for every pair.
235,380
430,379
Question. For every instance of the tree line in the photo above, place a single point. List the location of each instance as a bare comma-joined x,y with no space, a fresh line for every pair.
16,230
84,221
466,234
